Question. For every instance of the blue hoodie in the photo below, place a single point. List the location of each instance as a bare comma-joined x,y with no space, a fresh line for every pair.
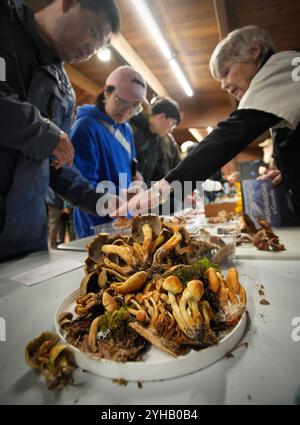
99,156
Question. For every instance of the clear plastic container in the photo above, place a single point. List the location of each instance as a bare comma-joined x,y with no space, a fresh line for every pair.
218,248
109,228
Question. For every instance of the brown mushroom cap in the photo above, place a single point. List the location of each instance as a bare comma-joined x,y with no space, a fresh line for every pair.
137,226
195,289
89,284
94,248
109,303
172,284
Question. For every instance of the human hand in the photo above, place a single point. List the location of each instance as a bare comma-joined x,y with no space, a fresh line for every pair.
138,177
108,205
134,189
64,152
144,201
271,173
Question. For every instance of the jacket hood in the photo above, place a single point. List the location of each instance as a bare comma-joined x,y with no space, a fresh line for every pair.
93,111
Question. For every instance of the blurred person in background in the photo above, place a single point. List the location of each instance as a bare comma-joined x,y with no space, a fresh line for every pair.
157,150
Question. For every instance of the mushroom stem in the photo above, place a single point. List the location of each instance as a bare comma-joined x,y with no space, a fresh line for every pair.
109,303
166,247
123,252
147,232
122,270
174,286
92,338
192,294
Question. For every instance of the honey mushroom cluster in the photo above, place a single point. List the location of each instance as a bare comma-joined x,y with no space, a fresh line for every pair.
141,289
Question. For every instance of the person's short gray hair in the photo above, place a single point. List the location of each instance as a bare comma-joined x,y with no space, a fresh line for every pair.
237,47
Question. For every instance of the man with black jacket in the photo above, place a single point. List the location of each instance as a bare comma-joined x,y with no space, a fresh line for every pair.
267,85
156,148
36,100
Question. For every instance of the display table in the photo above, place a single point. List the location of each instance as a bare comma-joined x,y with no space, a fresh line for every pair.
268,371
288,236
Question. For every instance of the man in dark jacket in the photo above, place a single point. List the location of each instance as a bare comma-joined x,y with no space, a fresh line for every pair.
36,90
157,150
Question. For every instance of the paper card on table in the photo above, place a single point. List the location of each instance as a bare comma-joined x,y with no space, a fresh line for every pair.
48,271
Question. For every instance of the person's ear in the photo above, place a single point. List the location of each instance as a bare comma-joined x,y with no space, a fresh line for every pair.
255,52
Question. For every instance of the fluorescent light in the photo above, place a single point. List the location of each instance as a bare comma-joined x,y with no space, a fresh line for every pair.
181,78
158,37
196,133
209,129
104,54
153,28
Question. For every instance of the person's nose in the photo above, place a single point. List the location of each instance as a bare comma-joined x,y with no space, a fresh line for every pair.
225,84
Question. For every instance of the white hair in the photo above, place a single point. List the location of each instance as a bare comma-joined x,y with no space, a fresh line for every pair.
238,46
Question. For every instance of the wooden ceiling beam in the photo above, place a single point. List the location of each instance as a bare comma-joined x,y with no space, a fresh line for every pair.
222,17
121,45
82,81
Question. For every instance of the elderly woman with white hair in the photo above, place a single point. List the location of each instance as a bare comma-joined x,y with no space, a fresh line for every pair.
267,86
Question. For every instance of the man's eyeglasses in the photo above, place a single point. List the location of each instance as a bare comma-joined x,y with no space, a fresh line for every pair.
173,124
135,107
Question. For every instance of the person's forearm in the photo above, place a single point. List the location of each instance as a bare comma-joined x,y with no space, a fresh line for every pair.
222,144
70,185
23,128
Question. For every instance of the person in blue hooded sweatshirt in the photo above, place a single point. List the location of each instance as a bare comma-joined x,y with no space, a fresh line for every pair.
103,140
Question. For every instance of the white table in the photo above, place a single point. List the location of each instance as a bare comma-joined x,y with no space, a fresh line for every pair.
268,371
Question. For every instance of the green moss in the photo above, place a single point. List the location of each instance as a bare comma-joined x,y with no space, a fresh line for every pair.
200,266
115,321
195,271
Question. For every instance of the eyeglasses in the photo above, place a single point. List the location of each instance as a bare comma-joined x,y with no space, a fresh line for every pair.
135,107
173,124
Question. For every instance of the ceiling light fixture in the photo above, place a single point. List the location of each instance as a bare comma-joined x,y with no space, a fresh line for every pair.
158,37
104,54
181,77
153,28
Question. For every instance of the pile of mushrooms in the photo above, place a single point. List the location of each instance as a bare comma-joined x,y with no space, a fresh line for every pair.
140,274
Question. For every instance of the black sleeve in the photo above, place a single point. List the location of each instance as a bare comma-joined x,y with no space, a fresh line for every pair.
222,144
70,185
23,128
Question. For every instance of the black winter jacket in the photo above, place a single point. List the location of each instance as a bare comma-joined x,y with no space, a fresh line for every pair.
33,76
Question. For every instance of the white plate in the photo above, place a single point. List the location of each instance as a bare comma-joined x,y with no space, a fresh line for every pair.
157,364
